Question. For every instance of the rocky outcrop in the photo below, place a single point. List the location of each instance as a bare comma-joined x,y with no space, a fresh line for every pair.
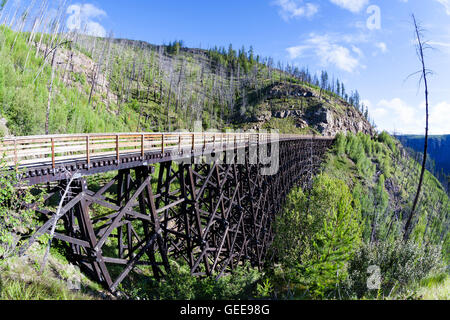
328,122
265,116
322,112
283,90
288,113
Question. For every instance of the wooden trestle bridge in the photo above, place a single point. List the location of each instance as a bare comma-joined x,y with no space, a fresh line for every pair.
163,202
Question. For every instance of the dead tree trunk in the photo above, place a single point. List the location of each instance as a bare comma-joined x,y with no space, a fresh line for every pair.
421,46
50,92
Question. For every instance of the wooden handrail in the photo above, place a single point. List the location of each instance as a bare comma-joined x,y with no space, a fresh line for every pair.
34,150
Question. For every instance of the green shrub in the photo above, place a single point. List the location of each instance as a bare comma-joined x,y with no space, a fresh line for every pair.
385,138
15,219
340,144
400,264
181,285
317,234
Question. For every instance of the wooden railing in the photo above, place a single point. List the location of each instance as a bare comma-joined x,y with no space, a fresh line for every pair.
52,149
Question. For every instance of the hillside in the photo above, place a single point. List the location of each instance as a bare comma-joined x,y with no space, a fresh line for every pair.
438,151
384,177
352,219
84,84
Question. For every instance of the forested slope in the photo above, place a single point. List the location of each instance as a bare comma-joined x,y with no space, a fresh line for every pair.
78,84
333,239
438,151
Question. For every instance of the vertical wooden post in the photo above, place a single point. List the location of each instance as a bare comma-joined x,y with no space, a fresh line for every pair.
88,155
193,142
179,143
142,146
117,150
53,153
162,144
204,141
15,153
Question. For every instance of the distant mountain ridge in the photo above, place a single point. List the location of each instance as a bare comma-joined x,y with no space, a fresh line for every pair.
438,150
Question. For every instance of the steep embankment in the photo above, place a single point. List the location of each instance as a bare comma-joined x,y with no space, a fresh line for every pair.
25,82
384,178
331,237
26,278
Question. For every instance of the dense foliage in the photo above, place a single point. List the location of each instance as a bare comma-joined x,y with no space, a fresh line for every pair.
317,234
366,189
181,285
399,263
383,178
15,219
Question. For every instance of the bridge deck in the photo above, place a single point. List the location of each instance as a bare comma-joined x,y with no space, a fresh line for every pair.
51,158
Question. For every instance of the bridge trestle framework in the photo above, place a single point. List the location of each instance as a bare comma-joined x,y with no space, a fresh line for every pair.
214,215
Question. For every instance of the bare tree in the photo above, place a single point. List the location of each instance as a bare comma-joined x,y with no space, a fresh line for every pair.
50,93
57,216
97,69
2,9
421,46
36,25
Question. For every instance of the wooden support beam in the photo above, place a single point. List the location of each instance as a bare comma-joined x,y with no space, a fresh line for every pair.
214,216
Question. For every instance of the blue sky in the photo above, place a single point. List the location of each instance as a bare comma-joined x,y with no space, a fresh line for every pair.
369,44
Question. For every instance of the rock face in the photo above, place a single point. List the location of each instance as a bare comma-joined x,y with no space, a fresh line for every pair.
329,122
263,117
308,107
283,90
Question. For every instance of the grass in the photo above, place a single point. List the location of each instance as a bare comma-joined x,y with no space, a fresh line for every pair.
22,278
434,288
42,290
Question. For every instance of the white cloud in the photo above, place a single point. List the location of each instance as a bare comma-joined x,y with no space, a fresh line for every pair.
357,51
295,8
439,115
440,44
382,46
446,4
354,6
81,18
397,115
329,51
